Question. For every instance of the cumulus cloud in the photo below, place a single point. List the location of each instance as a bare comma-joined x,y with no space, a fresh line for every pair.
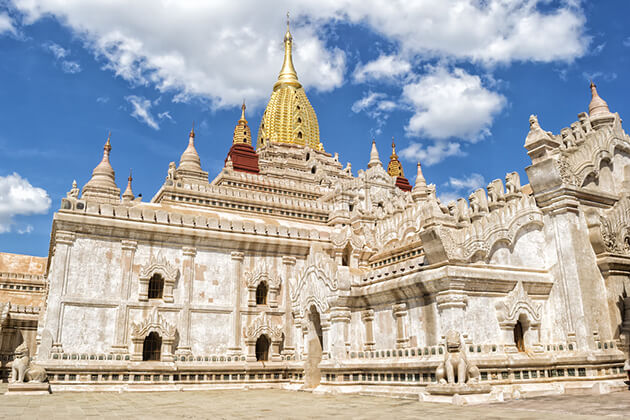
70,67
384,67
451,104
214,50
6,24
461,187
141,110
19,198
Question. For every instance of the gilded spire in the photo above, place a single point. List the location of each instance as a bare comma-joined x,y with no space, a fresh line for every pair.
597,106
375,160
243,112
242,132
395,167
128,194
288,75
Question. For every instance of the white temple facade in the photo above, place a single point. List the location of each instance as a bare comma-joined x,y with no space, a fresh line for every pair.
295,272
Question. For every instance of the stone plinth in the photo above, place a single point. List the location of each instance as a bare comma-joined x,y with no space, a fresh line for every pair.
28,388
452,389
457,394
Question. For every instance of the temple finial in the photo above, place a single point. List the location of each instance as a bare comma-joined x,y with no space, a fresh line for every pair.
393,147
128,195
288,75
243,107
192,130
288,21
375,160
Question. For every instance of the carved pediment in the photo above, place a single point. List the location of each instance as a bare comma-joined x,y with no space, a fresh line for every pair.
260,273
261,325
158,265
516,303
154,322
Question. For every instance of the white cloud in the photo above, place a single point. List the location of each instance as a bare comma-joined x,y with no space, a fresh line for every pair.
70,67
56,50
451,104
19,198
215,50
599,75
102,99
141,110
384,67
431,154
60,53
165,114
377,106
6,24
461,187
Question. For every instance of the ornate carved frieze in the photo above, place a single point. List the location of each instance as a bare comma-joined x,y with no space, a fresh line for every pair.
261,273
609,231
155,322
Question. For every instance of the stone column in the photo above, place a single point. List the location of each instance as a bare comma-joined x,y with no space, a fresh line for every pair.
304,326
188,276
58,278
128,252
368,318
289,342
400,313
237,269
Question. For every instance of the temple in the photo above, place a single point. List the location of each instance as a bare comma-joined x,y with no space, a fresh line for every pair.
288,270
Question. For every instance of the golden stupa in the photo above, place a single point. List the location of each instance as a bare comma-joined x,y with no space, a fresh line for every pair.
289,116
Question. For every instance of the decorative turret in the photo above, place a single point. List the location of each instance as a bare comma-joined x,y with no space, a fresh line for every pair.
128,194
539,143
189,168
102,186
395,169
598,109
420,191
375,159
242,156
289,116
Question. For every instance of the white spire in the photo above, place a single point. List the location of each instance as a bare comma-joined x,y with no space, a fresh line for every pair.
375,160
420,191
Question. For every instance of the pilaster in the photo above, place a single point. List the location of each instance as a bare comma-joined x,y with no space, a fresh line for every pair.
400,313
368,320
58,278
289,342
128,252
237,269
188,275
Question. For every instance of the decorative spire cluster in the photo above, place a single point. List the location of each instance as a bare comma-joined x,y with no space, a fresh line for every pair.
242,156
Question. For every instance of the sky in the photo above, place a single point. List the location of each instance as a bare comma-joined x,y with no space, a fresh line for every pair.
452,81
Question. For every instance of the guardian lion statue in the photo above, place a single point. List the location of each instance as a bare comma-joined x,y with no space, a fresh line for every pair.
456,369
22,370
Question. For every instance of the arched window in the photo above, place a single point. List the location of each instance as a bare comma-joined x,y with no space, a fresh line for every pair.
152,347
308,156
156,287
313,170
299,134
261,294
519,339
345,257
299,120
262,348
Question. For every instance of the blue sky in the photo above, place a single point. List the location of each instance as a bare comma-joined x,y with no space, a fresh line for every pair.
453,81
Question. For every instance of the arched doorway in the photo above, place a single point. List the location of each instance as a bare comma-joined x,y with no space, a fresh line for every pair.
317,326
152,347
519,337
262,348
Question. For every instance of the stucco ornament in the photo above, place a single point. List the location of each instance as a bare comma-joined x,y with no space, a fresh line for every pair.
515,303
22,370
610,231
456,369
260,273
154,322
158,265
261,325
